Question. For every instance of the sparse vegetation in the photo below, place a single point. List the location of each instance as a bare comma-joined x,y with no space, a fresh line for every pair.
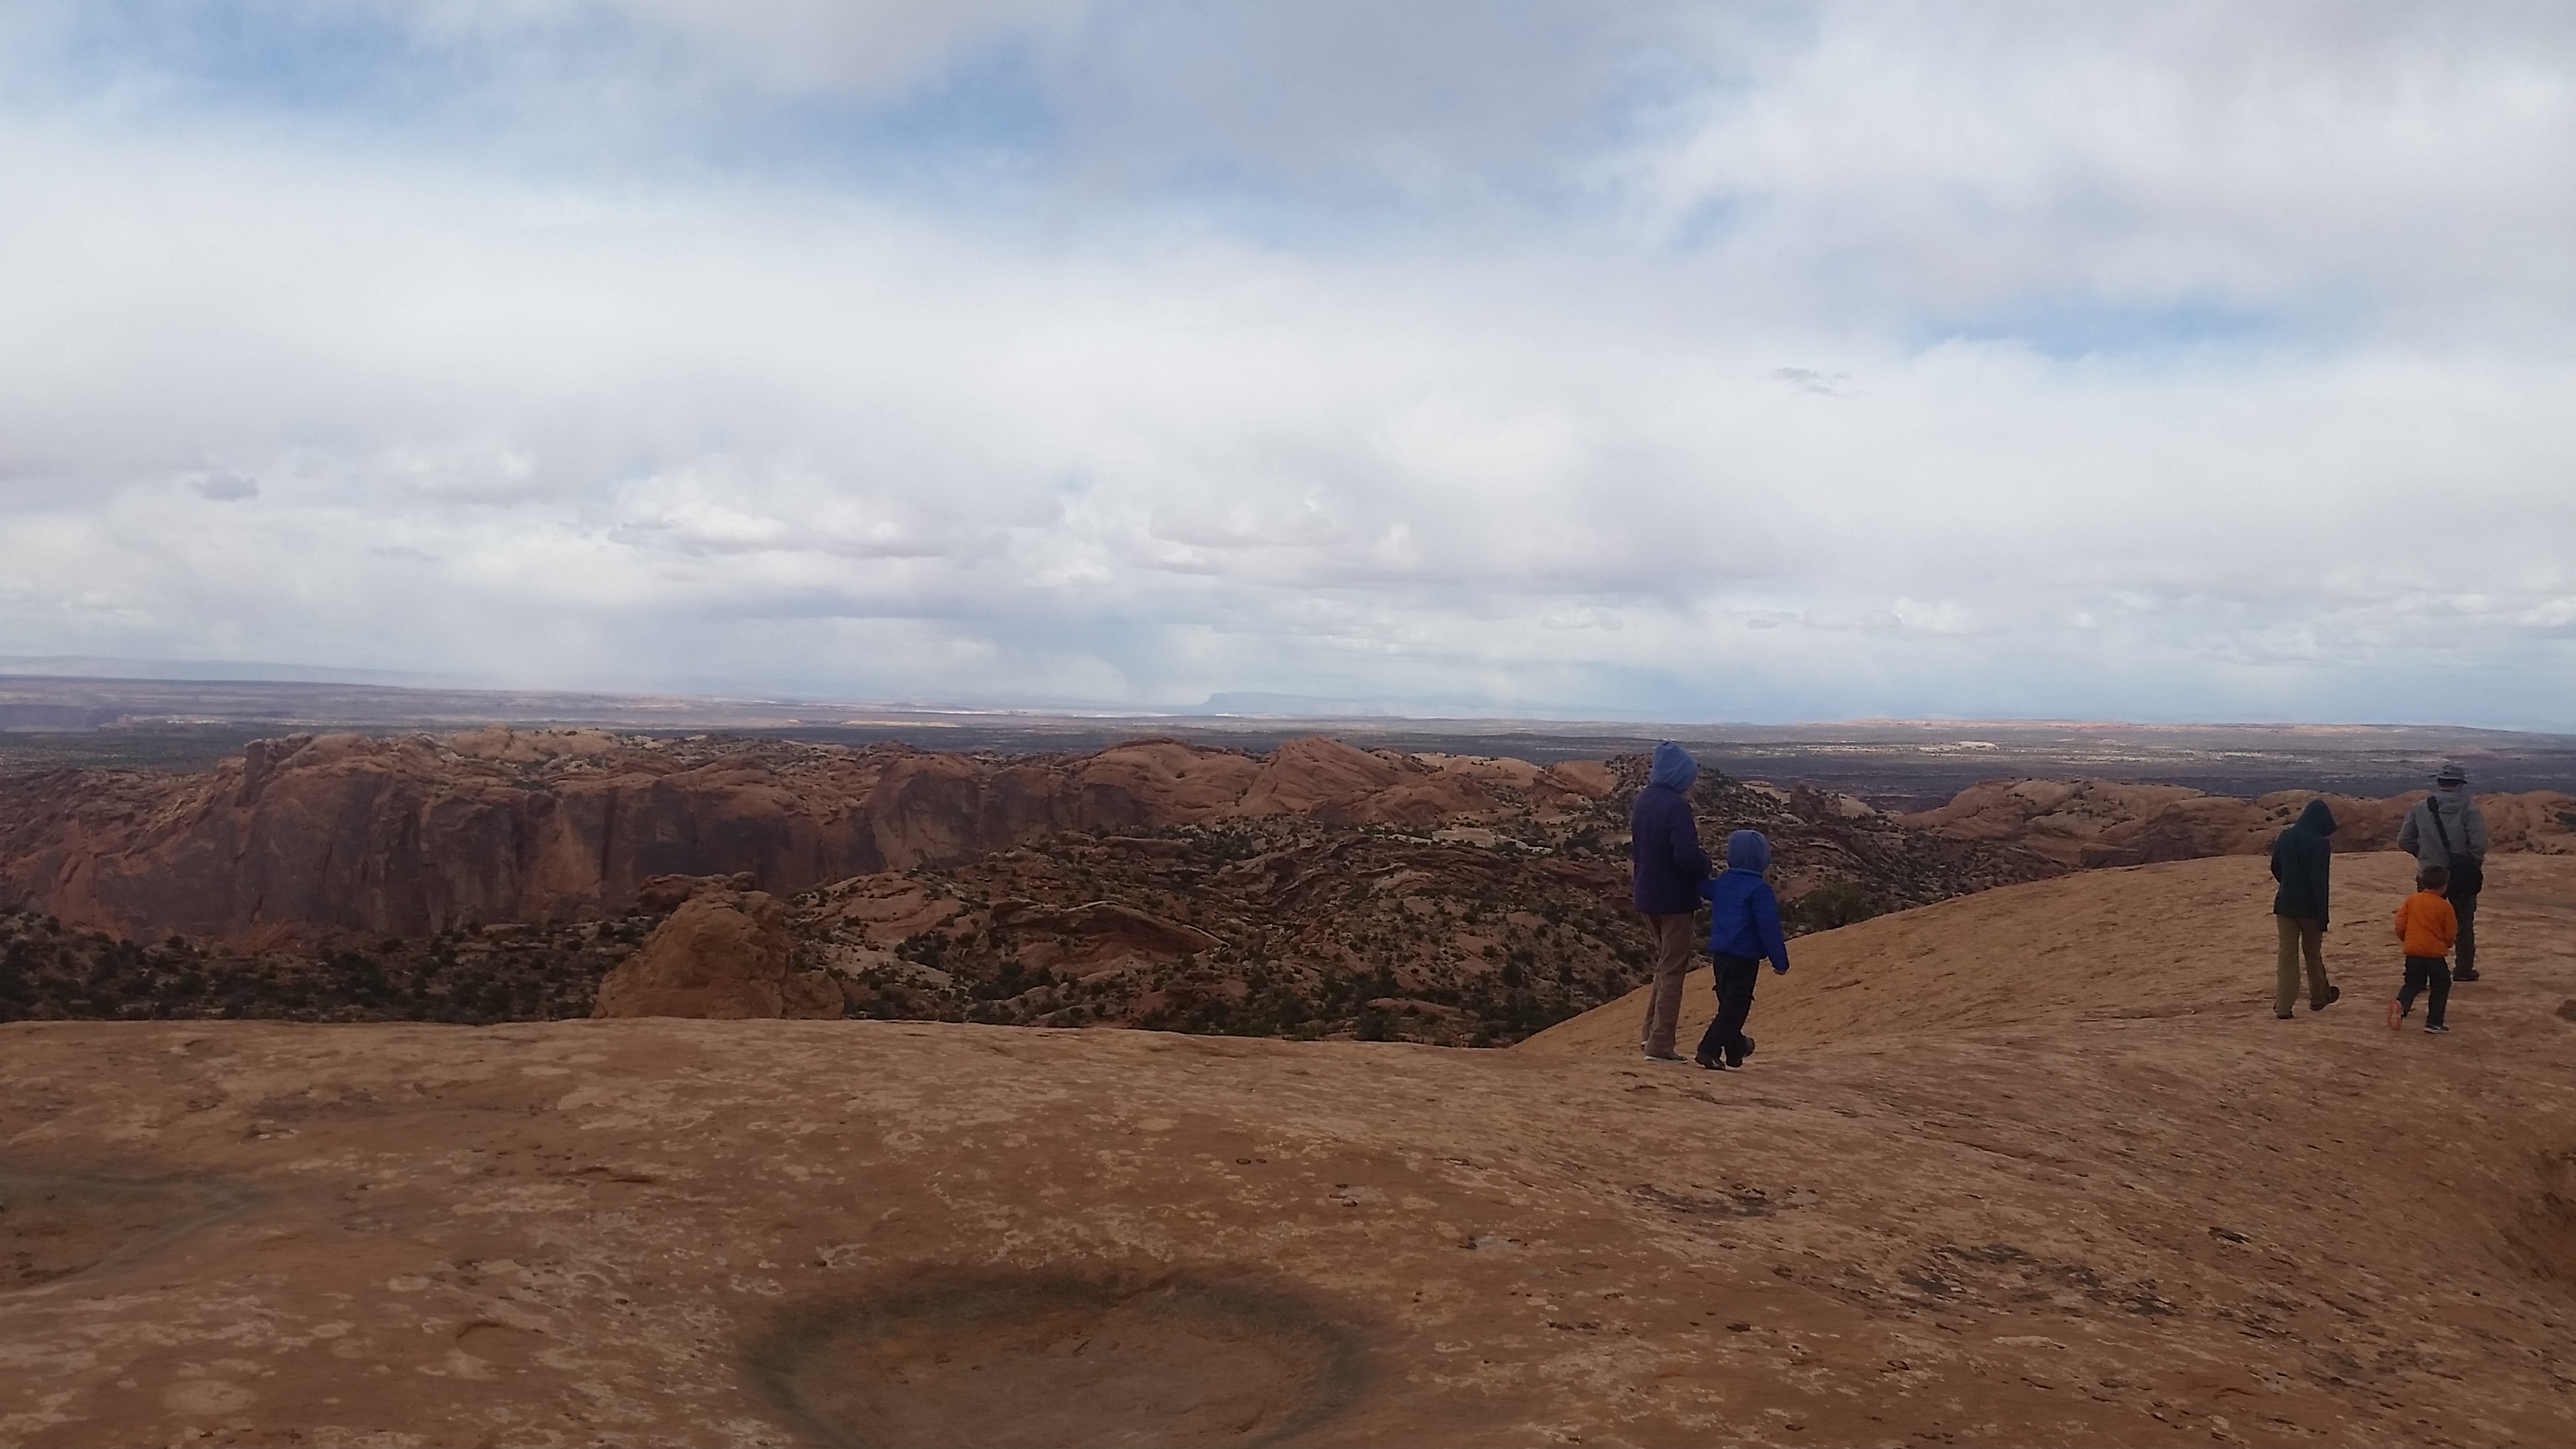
1836,903
513,973
1298,928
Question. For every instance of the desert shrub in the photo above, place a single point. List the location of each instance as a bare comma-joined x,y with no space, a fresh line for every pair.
1289,1010
1835,903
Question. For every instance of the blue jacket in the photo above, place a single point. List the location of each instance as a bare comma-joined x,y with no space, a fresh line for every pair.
1744,919
1663,839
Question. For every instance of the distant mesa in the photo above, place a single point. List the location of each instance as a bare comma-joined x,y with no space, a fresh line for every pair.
1312,707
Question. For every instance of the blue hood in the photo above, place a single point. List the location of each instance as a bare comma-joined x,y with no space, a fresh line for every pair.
1674,768
1748,850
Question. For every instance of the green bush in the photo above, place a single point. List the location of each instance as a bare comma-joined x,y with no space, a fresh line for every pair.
1835,903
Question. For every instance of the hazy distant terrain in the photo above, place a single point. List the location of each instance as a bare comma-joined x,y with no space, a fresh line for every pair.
59,723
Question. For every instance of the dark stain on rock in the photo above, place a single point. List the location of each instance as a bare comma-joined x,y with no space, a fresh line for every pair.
1000,1358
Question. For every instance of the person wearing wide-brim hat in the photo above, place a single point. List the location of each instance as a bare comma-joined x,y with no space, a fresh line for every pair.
2445,829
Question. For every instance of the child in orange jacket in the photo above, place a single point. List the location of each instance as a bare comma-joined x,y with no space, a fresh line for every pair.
2428,925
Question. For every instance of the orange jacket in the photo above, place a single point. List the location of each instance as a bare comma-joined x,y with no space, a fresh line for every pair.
2427,924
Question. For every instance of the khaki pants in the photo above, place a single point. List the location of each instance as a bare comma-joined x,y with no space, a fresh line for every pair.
2300,937
1672,963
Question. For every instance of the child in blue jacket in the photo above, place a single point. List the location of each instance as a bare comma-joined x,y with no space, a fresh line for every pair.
1743,929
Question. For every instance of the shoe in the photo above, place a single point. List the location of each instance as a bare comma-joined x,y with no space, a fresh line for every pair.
2333,995
2396,1013
2283,1016
1650,1056
1709,1062
2464,976
2429,1026
1736,1054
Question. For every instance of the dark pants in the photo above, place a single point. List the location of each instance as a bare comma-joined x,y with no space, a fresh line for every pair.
2423,972
2466,946
1735,978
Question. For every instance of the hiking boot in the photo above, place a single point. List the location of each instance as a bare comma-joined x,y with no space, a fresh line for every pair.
1736,1054
2464,976
2333,995
1709,1062
2437,1026
2396,1013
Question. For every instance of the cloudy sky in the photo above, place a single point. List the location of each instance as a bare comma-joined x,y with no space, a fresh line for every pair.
1682,362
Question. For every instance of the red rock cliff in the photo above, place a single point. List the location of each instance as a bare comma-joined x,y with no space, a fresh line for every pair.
412,835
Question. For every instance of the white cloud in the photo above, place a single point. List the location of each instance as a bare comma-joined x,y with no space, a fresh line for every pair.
1956,360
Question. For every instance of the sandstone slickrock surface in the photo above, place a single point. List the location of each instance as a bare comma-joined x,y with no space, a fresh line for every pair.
2103,822
723,955
2033,1166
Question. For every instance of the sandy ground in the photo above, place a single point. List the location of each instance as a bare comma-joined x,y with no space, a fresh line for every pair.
2032,1166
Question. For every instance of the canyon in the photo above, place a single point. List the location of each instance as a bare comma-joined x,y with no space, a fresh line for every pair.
1317,889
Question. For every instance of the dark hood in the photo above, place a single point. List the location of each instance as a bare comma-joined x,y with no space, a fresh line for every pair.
1674,769
2317,818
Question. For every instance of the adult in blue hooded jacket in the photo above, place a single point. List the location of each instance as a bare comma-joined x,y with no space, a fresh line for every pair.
1668,865
1743,930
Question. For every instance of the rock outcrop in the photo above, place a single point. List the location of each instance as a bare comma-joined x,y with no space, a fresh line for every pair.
723,955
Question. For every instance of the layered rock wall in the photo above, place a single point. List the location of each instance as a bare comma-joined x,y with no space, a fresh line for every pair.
414,835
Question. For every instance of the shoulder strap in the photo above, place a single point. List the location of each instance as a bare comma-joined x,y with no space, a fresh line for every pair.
2433,807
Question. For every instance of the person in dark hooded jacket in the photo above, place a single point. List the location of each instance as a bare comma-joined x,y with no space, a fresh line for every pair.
1743,930
2300,857
1667,865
